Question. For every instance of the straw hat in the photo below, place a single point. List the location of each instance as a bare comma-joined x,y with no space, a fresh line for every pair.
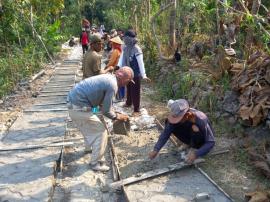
117,40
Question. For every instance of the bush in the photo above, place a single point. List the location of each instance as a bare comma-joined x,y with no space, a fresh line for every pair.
18,65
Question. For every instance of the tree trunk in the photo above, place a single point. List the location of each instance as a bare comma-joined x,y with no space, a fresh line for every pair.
31,20
149,10
255,8
172,24
218,22
1,8
134,18
162,9
225,8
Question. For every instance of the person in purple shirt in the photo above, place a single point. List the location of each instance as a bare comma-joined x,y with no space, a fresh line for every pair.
190,126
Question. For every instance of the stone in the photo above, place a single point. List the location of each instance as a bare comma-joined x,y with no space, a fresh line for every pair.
230,102
232,120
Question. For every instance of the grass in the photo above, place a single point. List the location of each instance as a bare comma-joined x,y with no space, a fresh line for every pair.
15,67
224,82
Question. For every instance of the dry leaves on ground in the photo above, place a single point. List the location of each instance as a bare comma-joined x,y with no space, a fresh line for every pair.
253,82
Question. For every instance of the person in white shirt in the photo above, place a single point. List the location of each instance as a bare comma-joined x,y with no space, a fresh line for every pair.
132,56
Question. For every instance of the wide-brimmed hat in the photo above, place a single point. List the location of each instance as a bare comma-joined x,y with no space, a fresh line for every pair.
124,75
178,110
117,40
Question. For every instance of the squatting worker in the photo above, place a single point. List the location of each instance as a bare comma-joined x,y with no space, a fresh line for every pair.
92,92
190,126
92,59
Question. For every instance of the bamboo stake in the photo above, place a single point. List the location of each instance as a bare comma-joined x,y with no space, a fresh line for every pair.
213,182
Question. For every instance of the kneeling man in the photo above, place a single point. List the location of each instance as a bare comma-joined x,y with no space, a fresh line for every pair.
190,126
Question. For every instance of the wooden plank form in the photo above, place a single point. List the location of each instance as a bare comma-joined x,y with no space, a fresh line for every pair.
153,173
60,144
43,95
59,83
45,110
53,103
57,91
57,86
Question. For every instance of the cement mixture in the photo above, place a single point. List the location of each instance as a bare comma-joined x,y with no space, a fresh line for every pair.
133,150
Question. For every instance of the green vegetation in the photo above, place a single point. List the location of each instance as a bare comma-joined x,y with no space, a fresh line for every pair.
23,25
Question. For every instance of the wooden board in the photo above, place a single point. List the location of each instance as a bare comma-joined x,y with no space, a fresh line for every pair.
153,173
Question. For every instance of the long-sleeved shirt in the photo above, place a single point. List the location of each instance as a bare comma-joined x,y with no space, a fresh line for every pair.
139,57
203,140
95,91
114,58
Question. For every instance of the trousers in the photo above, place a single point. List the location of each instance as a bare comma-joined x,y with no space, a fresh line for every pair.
93,131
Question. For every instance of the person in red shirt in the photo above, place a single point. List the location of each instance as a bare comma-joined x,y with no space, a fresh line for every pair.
84,40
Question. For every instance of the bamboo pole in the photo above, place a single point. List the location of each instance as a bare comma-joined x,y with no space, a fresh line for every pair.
213,182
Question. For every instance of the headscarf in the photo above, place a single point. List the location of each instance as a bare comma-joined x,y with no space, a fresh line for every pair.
129,50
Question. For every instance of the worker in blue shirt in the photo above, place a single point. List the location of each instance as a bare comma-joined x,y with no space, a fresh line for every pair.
190,126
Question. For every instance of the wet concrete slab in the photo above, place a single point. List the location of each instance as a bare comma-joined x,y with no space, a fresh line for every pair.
182,185
28,175
78,182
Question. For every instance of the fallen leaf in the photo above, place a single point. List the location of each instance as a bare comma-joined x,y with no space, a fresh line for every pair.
245,111
263,167
257,196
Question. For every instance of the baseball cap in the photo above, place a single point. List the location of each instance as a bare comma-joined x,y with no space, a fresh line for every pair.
178,108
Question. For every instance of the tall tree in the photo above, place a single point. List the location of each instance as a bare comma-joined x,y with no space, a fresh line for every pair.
172,24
